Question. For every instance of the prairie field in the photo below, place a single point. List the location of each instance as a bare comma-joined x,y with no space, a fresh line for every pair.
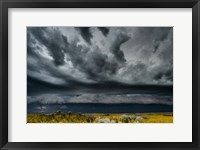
163,117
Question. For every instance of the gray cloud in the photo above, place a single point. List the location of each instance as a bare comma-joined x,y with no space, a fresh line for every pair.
160,38
53,40
115,49
104,30
85,33
107,56
102,98
93,63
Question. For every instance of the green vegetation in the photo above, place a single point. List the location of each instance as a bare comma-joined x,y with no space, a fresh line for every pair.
101,118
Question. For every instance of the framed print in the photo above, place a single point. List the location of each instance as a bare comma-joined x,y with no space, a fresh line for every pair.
94,56
99,74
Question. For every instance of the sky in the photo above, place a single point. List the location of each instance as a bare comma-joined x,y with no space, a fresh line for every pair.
98,64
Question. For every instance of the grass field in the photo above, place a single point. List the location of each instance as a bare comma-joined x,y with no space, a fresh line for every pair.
101,118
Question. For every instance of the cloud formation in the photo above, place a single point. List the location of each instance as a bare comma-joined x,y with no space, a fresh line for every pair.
53,40
102,98
104,30
86,33
90,59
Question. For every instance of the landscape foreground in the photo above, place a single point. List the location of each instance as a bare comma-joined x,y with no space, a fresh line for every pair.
164,117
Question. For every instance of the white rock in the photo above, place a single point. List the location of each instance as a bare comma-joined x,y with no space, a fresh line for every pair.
138,118
112,121
106,120
124,116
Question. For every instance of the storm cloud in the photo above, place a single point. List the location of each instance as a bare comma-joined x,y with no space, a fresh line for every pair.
101,98
86,33
77,60
53,40
104,30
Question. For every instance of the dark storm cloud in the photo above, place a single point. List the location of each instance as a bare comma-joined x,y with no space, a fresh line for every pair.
53,39
150,36
85,33
115,49
166,74
104,30
42,69
118,60
37,86
101,98
151,48
31,50
160,38
93,64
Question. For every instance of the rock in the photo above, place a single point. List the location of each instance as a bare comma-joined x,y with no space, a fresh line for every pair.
113,121
138,118
133,117
124,117
106,120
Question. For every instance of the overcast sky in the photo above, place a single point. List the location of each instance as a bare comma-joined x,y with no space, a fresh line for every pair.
70,59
